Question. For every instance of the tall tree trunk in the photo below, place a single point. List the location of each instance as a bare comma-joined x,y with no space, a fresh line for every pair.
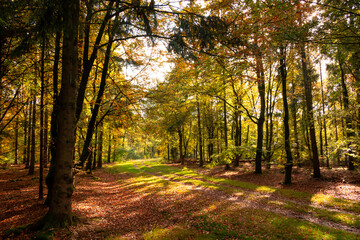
100,146
260,123
95,111
227,165
310,113
16,143
237,120
181,146
95,149
46,129
294,118
89,62
27,162
49,180
42,92
109,148
25,135
33,125
200,135
289,158
349,128
60,209
324,120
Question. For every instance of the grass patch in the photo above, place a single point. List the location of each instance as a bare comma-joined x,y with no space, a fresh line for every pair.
338,217
321,199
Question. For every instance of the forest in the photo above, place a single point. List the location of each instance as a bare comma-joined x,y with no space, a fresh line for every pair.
199,119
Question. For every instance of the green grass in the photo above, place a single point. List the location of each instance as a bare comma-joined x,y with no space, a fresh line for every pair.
321,199
338,217
238,223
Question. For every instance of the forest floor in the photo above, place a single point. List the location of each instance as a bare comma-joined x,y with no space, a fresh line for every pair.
150,200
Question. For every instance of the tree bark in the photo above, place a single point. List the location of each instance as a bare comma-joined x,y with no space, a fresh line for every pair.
260,123
289,158
16,143
91,125
42,92
49,180
33,125
227,165
100,146
60,209
310,113
181,146
348,123
200,135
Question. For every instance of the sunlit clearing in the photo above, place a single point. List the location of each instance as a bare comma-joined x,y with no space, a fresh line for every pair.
265,189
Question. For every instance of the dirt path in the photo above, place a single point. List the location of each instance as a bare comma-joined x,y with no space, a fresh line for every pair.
262,204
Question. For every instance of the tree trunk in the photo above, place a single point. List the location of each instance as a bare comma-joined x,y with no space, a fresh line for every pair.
289,158
94,152
109,149
25,135
60,209
294,118
42,92
181,146
200,135
16,143
49,180
349,128
227,165
261,119
33,125
100,146
310,113
27,163
95,111
237,119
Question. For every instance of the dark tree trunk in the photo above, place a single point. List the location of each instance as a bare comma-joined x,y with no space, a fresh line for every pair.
16,143
227,165
89,62
49,180
260,123
109,148
200,135
91,126
25,135
349,128
289,158
42,92
94,152
310,113
181,146
60,209
237,119
100,146
33,123
27,162
46,148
